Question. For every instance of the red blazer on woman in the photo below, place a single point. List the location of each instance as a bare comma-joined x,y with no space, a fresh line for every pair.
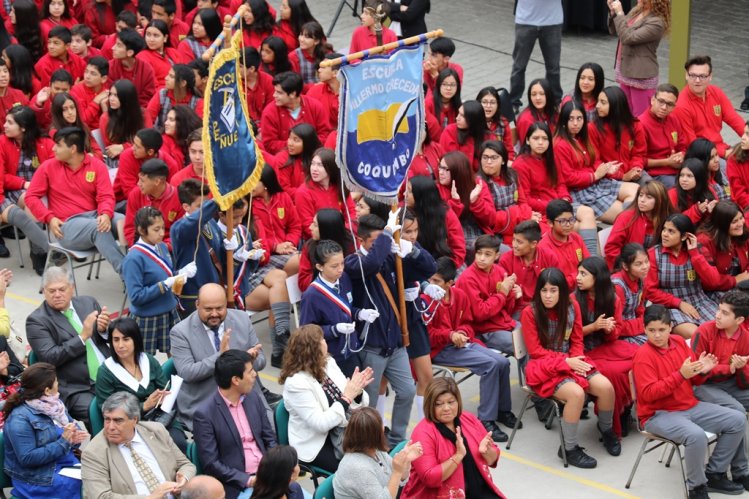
161,64
621,234
692,211
524,121
577,170
449,142
290,174
632,150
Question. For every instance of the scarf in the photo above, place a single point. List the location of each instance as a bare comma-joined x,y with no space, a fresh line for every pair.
52,406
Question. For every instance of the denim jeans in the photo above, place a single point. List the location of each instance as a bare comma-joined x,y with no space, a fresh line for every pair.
550,40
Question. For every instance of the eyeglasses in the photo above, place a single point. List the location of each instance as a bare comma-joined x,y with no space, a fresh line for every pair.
565,222
665,103
697,77
450,85
488,103
486,157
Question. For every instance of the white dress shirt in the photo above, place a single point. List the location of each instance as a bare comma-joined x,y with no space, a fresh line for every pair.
140,446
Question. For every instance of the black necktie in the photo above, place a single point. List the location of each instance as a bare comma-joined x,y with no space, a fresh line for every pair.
337,288
216,339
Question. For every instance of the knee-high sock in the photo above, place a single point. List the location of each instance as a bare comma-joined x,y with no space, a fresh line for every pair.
282,313
590,237
569,431
605,420
22,220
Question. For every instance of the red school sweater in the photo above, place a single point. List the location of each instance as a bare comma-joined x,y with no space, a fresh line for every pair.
490,308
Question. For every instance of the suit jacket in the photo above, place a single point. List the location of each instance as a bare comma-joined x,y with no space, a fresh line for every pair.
55,340
219,444
105,472
195,356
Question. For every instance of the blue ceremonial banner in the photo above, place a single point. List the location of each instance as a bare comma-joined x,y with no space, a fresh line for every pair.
380,121
232,159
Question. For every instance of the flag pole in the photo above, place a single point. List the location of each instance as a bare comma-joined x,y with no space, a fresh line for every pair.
401,286
229,25
347,59
230,259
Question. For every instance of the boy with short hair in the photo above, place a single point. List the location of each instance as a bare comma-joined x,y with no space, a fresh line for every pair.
125,66
665,370
326,91
195,169
562,241
258,84
80,43
125,20
441,51
526,260
59,56
492,293
665,139
92,93
166,10
60,81
146,145
454,344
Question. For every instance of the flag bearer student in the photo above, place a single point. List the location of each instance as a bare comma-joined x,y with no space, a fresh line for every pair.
665,370
373,267
453,343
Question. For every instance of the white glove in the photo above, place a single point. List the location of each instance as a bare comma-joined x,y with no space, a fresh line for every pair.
169,281
411,293
344,328
242,254
405,249
434,292
256,254
368,315
230,244
392,225
189,270
394,248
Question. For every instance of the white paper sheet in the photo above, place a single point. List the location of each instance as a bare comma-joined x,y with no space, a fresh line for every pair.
168,404
72,472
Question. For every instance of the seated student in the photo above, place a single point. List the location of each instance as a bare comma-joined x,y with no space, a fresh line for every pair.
601,312
641,222
126,66
313,46
166,10
567,246
59,82
723,241
158,53
467,133
65,112
705,151
274,53
553,332
540,108
454,343
194,170
289,109
9,96
693,195
737,170
371,33
666,143
258,84
153,190
630,271
293,163
498,126
259,23
526,261
180,121
204,27
146,145
588,85
665,370
92,92
492,293
80,43
441,51
444,102
200,68
179,88
327,90
677,274
126,19
327,224
122,120
59,56
54,13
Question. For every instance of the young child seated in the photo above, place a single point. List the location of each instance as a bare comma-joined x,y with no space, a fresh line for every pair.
665,370
448,323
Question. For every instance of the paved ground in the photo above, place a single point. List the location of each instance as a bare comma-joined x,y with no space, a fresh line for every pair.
483,30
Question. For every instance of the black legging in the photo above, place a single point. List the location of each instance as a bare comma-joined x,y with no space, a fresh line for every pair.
326,457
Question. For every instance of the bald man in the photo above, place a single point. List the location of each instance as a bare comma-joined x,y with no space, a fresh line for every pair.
198,340
203,487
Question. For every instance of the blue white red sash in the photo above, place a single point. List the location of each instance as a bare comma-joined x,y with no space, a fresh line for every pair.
332,296
242,236
165,265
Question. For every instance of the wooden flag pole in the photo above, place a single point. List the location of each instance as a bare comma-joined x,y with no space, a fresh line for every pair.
230,259
229,24
381,48
401,286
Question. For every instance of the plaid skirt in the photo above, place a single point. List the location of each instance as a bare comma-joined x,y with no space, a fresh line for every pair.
256,278
278,261
638,340
155,331
599,196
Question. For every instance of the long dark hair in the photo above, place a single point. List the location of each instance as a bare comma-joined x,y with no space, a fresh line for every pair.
327,158
22,70
497,116
65,13
549,162
619,117
300,14
270,180
430,211
280,55
27,29
581,139
26,119
437,95
662,208
129,329
701,191
34,380
211,23
507,174
274,473
719,223
331,226
603,292
476,129
313,29
597,74
461,173
702,148
263,22
555,277
310,144
186,120
682,223
58,122
128,119
550,109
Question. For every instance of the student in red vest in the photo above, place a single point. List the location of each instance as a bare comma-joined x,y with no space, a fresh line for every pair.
179,88
738,171
59,56
64,112
205,27
666,142
562,241
724,240
54,13
80,43
444,101
158,54
194,170
371,33
293,14
258,23
631,269
498,125
540,108
327,90
275,56
258,84
92,92
9,96
181,120
467,133
292,164
146,145
441,51
693,195
311,51
166,10
126,66
122,120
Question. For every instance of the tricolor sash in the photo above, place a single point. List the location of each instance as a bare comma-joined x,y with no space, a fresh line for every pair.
331,295
162,262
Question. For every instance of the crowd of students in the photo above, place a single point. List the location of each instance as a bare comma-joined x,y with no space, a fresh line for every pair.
499,218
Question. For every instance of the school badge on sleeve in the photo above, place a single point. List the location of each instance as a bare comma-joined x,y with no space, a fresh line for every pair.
90,177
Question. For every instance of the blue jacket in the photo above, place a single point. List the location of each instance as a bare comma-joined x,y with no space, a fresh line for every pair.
32,446
144,278
417,267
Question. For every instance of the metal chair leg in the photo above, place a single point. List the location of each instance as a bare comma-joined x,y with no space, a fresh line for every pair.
519,419
561,433
18,242
645,442
683,471
674,448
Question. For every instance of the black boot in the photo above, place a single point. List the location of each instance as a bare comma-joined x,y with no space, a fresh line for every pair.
38,260
611,441
745,103
4,251
625,420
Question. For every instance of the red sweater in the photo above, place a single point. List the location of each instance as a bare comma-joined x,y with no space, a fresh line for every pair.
738,178
722,260
154,105
329,100
129,168
11,98
505,138
259,96
663,138
452,313
276,123
47,65
102,23
658,382
527,273
168,204
524,121
141,75
184,174
636,326
708,338
692,210
426,162
536,184
286,33
185,49
447,114
177,32
631,151
311,197
490,308
279,218
455,238
533,343
449,142
431,82
306,273
70,192
706,272
90,111
624,231
290,174
705,117
10,153
363,39
568,254
161,63
576,168
45,25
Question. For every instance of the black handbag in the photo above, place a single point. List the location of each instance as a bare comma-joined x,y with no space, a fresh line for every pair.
158,416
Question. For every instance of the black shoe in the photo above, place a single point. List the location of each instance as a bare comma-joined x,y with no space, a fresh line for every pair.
4,252
276,361
742,480
699,492
578,458
271,398
9,233
744,105
625,419
611,442
508,419
497,434
719,482
544,408
38,260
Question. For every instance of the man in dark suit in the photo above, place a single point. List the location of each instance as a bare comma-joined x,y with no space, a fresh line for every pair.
231,428
71,334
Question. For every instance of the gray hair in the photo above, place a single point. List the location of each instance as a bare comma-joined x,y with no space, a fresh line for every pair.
55,274
122,400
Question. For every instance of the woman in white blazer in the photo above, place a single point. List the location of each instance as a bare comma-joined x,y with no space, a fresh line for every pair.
318,397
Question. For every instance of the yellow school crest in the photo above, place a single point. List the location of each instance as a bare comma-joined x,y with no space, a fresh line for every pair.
579,253
716,110
515,196
172,215
281,213
35,162
631,144
90,176
675,136
568,333
691,275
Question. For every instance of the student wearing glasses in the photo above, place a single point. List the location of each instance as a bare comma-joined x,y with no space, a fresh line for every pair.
562,240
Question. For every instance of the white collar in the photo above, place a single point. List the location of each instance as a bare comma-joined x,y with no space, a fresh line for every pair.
128,379
328,283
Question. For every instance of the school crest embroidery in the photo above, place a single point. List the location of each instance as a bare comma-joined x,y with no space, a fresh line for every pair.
568,333
579,253
172,215
90,177
35,162
691,275
515,196
716,110
675,136
631,144
281,212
